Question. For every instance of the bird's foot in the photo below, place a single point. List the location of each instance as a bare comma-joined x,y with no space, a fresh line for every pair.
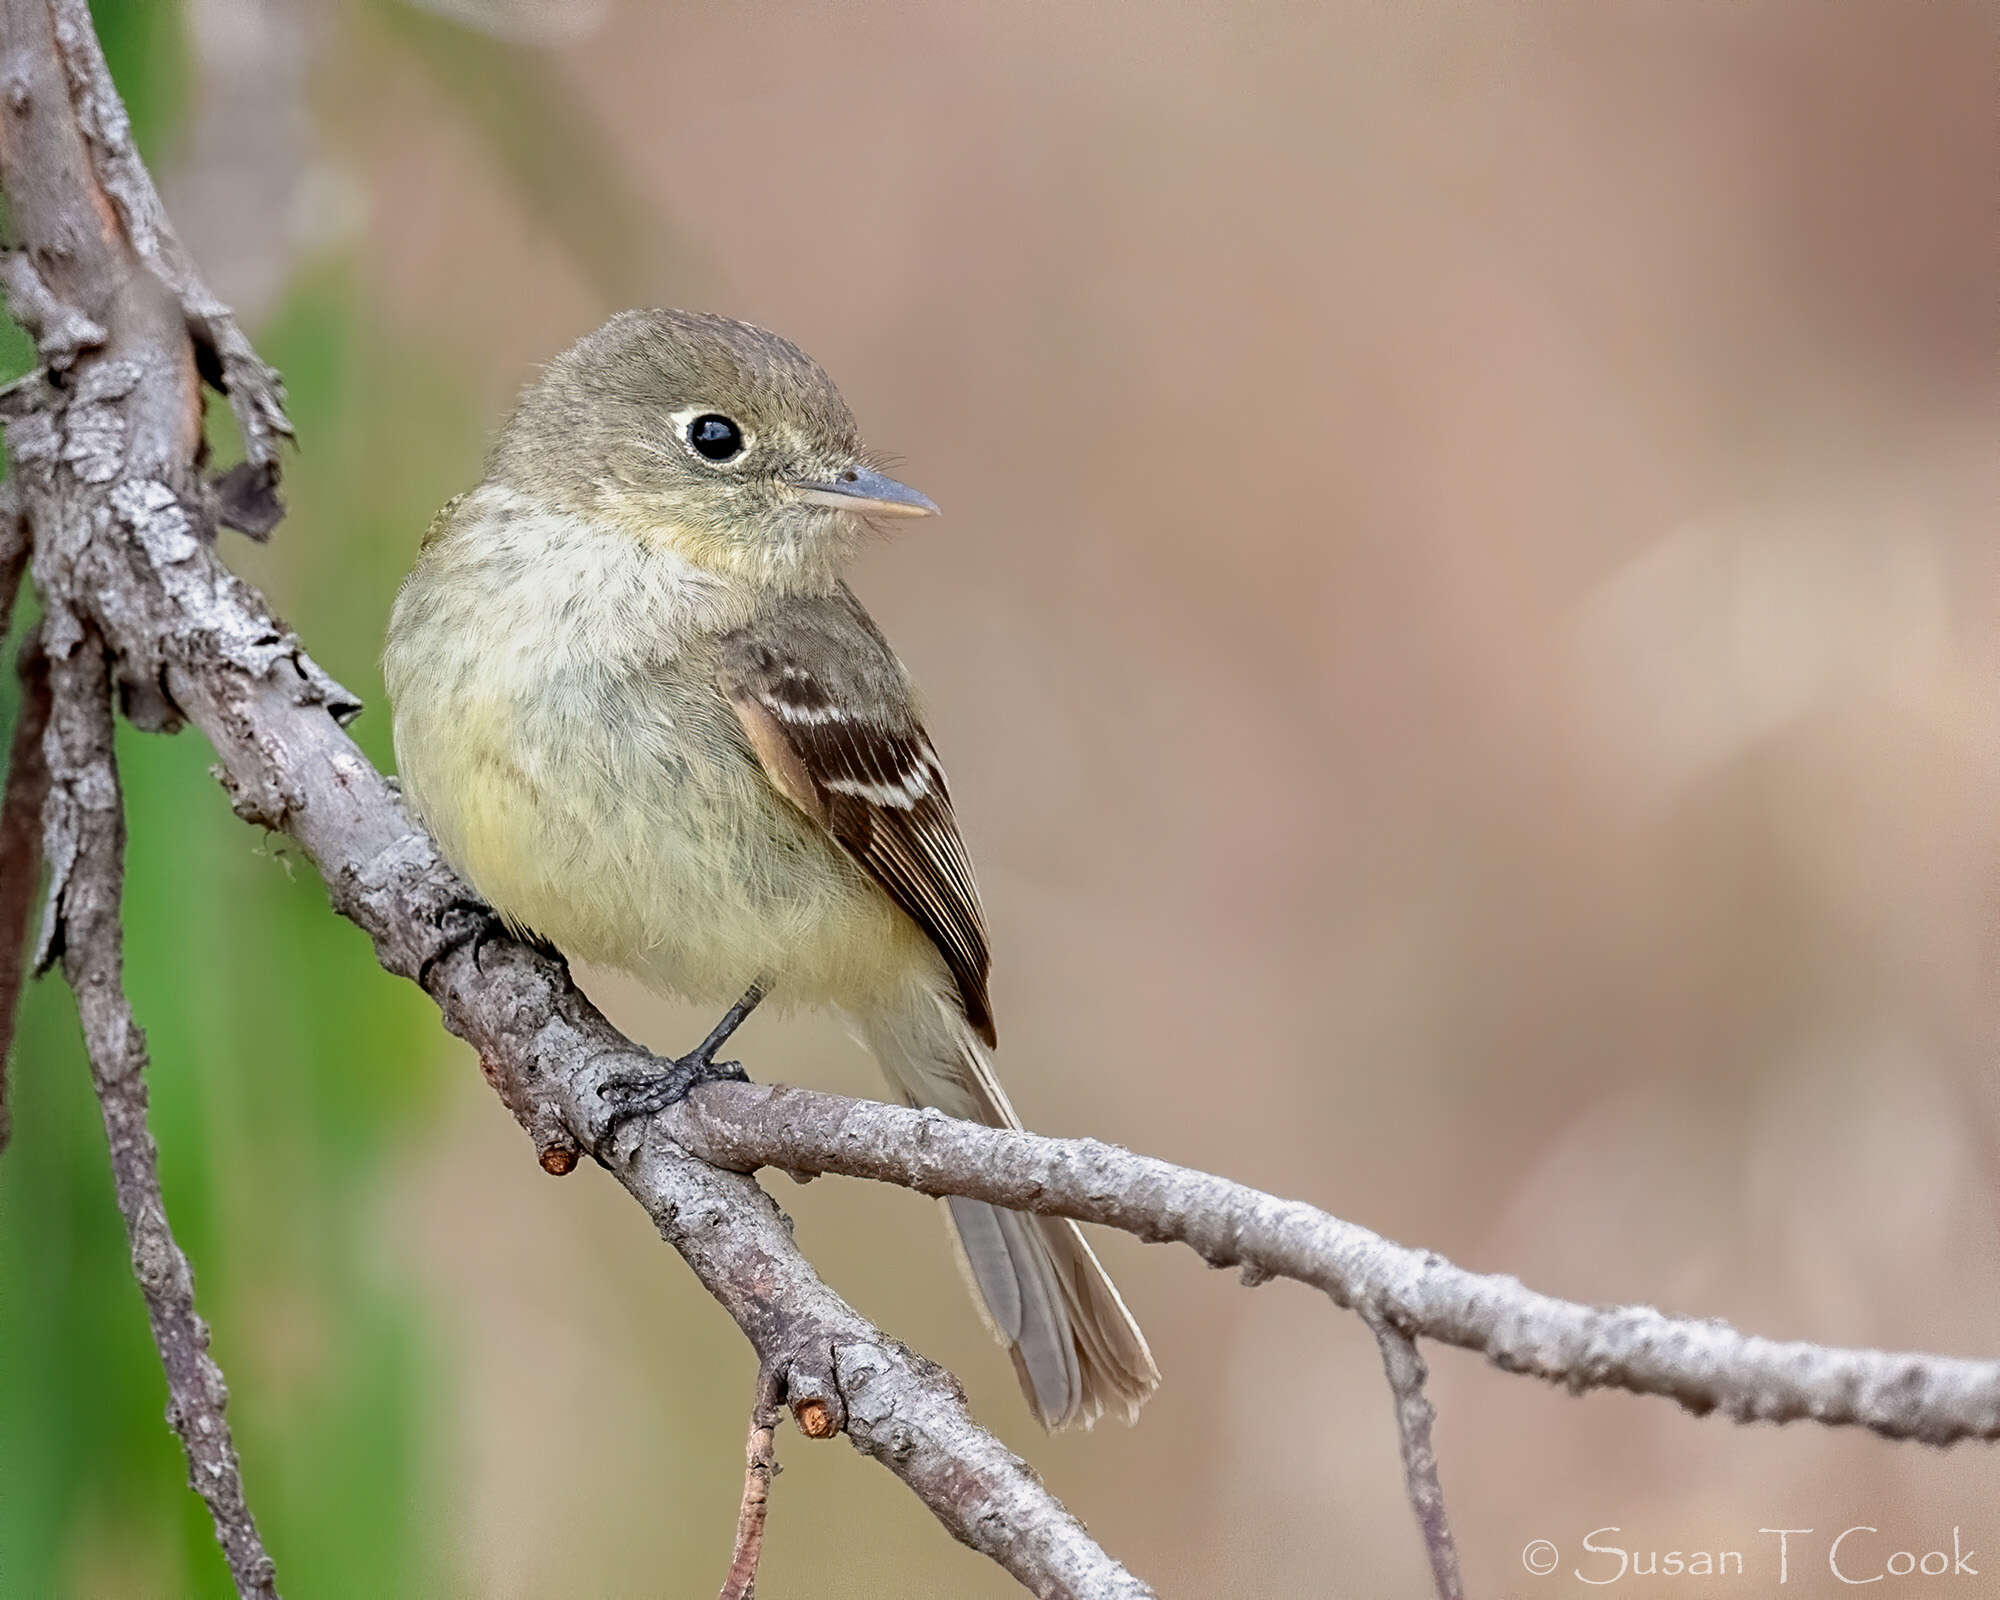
654,1091
644,1095
464,921
469,921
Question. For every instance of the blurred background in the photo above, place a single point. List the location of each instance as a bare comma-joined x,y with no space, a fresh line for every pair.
1465,637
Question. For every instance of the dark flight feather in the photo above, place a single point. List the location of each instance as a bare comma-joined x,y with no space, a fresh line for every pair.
827,710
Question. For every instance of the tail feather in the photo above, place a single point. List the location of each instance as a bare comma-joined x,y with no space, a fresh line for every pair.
1075,1347
1013,1277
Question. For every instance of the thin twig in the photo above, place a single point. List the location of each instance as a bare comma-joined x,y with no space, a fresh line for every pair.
760,1466
86,825
1403,1364
21,848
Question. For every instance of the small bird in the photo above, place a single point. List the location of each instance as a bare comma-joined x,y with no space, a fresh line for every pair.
643,715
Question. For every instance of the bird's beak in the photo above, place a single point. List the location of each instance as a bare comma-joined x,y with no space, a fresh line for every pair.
867,494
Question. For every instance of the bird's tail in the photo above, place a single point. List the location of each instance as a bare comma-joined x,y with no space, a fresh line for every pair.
1075,1346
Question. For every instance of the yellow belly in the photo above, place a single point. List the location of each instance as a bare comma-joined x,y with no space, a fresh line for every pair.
608,801
700,880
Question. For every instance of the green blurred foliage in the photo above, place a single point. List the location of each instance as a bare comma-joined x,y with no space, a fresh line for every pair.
282,1081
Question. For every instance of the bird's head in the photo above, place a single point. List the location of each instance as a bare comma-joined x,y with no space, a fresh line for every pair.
715,438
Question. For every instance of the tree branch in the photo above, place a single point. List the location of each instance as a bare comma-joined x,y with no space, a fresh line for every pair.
85,822
1704,1365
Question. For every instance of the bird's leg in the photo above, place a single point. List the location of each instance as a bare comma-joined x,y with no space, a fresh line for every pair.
640,1097
732,1019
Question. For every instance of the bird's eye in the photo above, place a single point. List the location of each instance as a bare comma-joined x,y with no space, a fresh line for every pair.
714,437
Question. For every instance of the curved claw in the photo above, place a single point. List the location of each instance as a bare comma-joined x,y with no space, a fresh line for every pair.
480,926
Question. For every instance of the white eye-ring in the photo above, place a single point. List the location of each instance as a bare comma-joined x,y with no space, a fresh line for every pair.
716,438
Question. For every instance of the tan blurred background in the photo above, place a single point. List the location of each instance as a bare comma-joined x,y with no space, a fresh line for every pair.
1465,639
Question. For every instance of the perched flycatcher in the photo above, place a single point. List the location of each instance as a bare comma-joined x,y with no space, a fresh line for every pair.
643,715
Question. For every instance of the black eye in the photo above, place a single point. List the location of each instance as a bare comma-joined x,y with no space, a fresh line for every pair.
715,437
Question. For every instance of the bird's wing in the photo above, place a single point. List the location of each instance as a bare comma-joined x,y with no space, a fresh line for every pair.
828,712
